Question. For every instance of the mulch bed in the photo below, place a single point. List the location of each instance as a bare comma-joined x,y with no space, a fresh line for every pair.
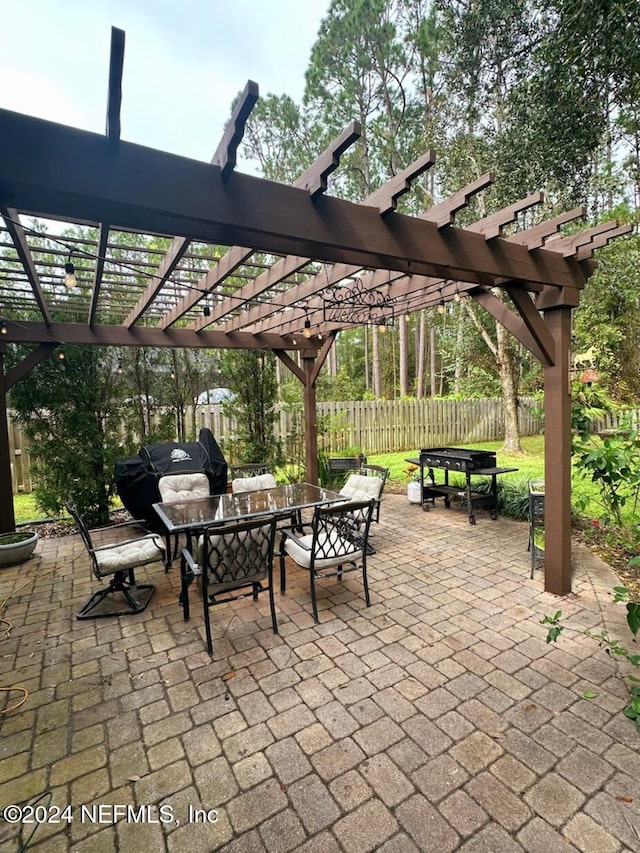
57,528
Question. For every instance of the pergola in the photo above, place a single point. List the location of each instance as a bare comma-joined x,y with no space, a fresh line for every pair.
287,249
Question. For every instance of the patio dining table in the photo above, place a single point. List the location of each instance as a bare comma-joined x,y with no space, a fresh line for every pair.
193,516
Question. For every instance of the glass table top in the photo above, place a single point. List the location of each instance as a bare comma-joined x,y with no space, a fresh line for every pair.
201,512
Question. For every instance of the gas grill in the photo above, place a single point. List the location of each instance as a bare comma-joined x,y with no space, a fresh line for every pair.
457,458
460,460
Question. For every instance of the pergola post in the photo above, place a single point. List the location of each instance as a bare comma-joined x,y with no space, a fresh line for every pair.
557,456
310,420
7,516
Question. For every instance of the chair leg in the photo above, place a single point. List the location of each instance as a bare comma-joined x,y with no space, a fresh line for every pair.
206,604
272,604
184,590
314,602
283,572
366,584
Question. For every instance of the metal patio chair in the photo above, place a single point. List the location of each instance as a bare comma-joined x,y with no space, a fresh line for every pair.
181,486
368,483
249,469
117,561
233,561
336,545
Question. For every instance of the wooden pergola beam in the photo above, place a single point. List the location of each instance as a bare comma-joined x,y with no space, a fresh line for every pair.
443,213
226,152
536,325
103,239
119,336
314,180
385,198
27,364
19,238
537,235
56,170
225,158
489,226
114,93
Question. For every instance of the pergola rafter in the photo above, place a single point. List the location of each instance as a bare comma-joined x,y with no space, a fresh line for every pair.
259,255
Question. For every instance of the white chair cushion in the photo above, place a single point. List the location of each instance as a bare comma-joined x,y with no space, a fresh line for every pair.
359,487
253,484
182,487
302,555
129,554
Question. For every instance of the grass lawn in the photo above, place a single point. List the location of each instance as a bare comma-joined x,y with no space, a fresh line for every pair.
25,509
530,467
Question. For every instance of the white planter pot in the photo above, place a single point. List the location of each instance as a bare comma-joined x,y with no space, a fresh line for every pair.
413,493
12,553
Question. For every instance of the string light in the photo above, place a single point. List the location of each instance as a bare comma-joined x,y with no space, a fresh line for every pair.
120,369
307,329
60,356
70,279
3,328
206,309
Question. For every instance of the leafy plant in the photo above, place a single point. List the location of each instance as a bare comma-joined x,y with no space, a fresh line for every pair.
69,411
251,376
614,466
613,646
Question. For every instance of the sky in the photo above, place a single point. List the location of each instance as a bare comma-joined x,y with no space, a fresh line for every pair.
184,63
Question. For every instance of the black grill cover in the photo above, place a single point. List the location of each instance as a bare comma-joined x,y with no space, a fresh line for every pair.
137,478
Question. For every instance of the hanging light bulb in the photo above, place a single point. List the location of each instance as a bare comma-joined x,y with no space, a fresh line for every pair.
70,279
382,328
3,328
320,336
307,328
172,374
60,356
120,369
206,310
294,341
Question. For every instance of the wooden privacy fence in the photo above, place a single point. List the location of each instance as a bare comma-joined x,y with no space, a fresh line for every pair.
20,461
386,426
371,426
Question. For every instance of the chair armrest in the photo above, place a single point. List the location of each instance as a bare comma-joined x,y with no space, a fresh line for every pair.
190,562
109,545
288,533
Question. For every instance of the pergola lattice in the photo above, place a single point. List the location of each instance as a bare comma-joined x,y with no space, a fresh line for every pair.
286,246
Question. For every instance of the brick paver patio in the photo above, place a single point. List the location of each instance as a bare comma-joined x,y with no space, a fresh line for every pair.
436,720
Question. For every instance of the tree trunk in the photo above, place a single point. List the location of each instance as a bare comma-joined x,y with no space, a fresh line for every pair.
403,357
376,363
509,397
432,357
459,362
420,357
